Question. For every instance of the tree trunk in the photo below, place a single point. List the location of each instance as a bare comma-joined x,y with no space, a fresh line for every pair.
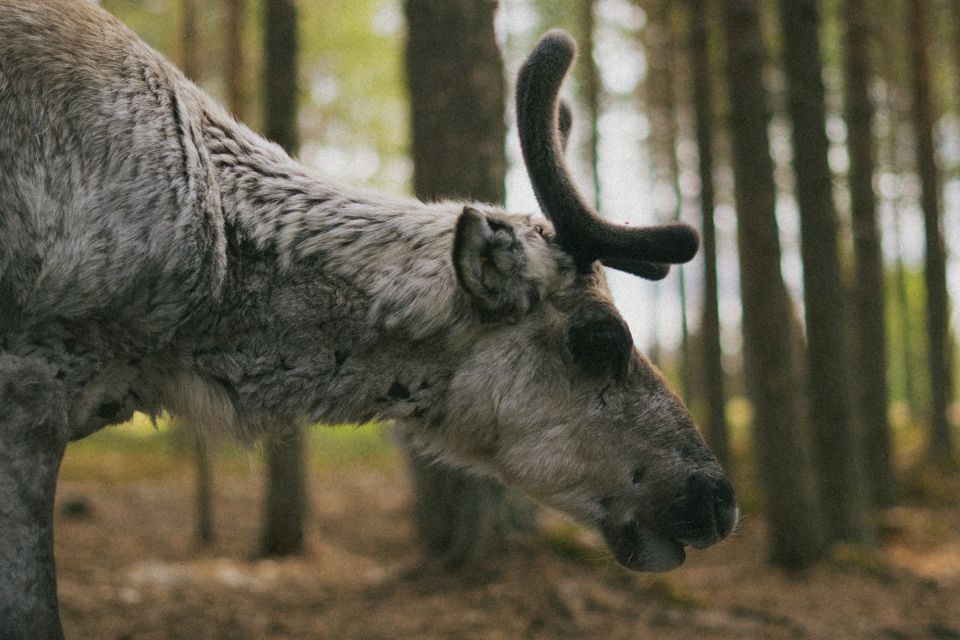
234,58
285,501
591,89
897,105
189,42
869,293
457,97
456,84
280,83
205,533
190,63
662,106
785,470
701,79
836,443
935,278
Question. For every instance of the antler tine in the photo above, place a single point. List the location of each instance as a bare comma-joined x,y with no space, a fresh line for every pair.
580,230
648,270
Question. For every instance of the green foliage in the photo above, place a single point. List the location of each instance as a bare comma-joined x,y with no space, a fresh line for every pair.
353,118
354,89
155,21
907,358
557,14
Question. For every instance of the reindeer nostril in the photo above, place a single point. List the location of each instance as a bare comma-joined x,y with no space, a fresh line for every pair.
638,475
724,508
709,509
724,494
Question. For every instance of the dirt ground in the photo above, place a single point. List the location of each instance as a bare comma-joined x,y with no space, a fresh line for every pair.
128,568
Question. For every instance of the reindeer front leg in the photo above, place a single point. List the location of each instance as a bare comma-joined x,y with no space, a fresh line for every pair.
33,435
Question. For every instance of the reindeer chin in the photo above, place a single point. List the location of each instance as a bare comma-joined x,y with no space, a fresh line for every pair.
640,548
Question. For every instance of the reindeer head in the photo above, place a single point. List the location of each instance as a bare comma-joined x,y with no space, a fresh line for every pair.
551,395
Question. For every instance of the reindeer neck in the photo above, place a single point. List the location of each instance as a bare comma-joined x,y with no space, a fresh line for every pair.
393,251
337,305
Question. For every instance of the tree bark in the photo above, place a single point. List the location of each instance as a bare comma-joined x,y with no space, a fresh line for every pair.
285,500
786,474
457,97
828,386
205,534
897,103
662,106
935,276
455,78
869,293
189,41
701,79
234,58
591,90
285,503
190,63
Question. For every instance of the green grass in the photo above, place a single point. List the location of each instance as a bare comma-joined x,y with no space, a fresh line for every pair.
141,450
371,444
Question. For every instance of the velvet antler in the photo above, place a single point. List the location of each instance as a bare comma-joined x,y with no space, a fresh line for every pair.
543,124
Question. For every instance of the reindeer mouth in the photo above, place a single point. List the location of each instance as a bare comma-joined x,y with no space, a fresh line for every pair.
638,547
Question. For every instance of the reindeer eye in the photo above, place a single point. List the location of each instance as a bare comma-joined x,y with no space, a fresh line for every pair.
600,345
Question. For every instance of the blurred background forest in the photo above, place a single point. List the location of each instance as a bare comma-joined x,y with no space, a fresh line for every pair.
815,145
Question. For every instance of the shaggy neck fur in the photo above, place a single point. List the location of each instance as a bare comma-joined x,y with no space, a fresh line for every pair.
338,305
395,251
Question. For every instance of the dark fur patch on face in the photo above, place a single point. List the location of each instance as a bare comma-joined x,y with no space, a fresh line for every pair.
398,392
600,342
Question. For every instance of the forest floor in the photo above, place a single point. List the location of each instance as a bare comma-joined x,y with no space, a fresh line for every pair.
129,567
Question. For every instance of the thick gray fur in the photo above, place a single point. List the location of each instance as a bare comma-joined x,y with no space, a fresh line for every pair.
157,255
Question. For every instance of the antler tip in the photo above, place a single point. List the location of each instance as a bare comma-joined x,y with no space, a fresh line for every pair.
687,241
556,43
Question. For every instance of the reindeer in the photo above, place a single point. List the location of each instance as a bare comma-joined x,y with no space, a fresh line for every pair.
156,255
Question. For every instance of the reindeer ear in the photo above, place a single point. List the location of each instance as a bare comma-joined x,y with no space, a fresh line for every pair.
490,263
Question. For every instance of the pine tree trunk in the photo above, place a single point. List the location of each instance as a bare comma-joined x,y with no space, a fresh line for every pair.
234,58
190,64
869,293
701,78
285,503
205,534
591,89
280,84
285,500
893,157
189,41
834,432
662,106
935,278
786,473
456,84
